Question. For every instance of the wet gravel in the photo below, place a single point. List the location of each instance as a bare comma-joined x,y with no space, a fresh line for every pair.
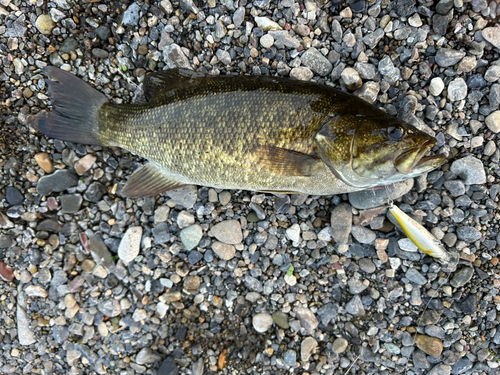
199,280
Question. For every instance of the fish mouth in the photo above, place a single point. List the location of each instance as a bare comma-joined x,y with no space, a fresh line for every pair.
413,160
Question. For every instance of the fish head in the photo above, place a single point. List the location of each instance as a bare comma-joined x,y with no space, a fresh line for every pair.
367,151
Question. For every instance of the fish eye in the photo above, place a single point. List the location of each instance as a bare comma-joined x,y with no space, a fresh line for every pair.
396,133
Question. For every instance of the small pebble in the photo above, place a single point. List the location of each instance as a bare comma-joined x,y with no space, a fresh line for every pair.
457,90
470,170
436,86
266,24
492,121
307,348
191,236
293,232
318,63
44,24
228,231
266,41
429,345
339,345
462,277
262,322
446,57
301,73
351,79
44,162
492,35
224,251
84,164
130,245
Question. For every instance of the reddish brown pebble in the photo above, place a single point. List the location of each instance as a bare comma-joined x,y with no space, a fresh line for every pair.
85,242
494,261
336,266
367,216
5,272
52,203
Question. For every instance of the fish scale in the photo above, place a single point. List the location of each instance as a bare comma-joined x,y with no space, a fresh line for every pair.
239,132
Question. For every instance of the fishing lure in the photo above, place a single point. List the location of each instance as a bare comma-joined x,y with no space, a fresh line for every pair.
422,238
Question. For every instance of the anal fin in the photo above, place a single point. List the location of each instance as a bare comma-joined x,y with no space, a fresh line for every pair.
148,181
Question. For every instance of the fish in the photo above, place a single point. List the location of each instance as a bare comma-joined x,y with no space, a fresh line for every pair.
266,134
423,239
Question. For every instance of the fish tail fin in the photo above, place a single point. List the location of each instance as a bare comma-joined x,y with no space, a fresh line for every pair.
75,117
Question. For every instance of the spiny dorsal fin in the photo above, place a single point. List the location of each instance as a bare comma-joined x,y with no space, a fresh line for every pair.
284,162
148,181
168,80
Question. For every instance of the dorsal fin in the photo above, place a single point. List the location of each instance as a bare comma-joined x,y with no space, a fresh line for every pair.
168,80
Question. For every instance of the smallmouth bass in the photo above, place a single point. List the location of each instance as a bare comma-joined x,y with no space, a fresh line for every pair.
263,134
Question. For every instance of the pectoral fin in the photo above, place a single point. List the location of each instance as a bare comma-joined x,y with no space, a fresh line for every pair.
284,162
148,181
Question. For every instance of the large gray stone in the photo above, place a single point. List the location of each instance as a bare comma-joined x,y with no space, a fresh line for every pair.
318,63
470,170
341,223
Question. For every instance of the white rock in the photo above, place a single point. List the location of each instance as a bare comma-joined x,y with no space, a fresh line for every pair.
266,24
262,322
290,280
185,219
307,348
436,86
103,329
293,233
407,245
24,333
161,309
36,291
130,245
415,20
457,90
395,263
302,73
493,122
266,41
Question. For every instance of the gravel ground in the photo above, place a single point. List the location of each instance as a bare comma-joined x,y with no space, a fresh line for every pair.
200,281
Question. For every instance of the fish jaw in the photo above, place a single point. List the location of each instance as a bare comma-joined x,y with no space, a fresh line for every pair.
413,162
427,164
